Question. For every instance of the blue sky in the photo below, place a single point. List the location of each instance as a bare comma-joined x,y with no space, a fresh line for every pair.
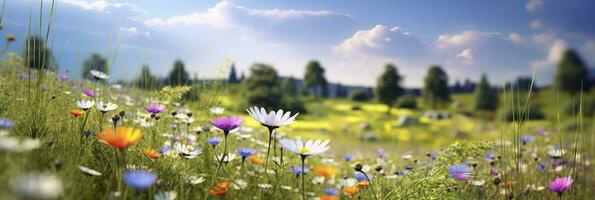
352,39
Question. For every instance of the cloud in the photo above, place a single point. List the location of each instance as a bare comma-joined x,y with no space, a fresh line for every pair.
381,40
466,54
464,38
515,38
101,5
536,24
555,52
534,5
543,38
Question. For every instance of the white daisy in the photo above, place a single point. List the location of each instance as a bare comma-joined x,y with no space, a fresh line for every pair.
85,104
169,195
14,144
311,147
217,110
106,107
239,184
272,119
187,151
195,180
99,75
556,153
38,186
89,171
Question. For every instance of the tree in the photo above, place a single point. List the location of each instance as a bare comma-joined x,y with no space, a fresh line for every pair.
435,91
94,62
178,75
388,88
288,86
572,74
146,80
36,55
262,87
314,78
486,97
233,78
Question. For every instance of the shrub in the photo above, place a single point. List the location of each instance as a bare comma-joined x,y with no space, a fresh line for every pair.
407,102
359,95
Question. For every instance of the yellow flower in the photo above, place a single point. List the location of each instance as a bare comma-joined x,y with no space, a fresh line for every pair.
123,138
325,171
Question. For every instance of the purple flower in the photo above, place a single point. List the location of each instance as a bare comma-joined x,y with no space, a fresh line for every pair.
348,157
139,179
155,108
559,185
64,77
214,141
526,139
494,171
460,172
331,191
89,92
361,177
298,170
245,152
6,123
542,166
227,123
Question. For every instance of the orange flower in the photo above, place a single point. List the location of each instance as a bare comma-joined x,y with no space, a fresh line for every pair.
506,184
350,190
325,171
328,197
152,153
363,184
255,160
76,112
220,189
123,138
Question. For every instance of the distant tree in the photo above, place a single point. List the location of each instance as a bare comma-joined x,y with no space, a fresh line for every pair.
36,55
572,73
288,86
435,91
486,97
409,102
359,95
340,91
233,77
314,78
388,87
262,87
146,80
94,62
178,75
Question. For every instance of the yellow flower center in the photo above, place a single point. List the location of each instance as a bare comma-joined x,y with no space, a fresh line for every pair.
304,150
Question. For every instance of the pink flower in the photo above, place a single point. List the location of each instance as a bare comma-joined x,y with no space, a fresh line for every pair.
89,92
559,185
155,108
227,123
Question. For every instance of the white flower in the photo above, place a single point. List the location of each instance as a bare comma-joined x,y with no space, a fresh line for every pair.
285,187
272,119
99,75
13,144
239,184
229,157
187,151
89,171
169,195
311,147
85,104
348,182
195,180
38,186
556,153
106,107
265,186
478,182
217,110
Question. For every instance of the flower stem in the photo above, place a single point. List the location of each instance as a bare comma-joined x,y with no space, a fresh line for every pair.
371,185
303,177
224,152
266,164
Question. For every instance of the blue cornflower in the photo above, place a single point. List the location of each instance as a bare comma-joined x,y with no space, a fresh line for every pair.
459,171
489,156
214,141
527,138
165,149
245,152
331,191
542,165
139,179
6,123
298,170
348,157
361,177
382,154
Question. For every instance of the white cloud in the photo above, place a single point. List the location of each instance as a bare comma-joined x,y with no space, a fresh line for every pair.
466,54
373,38
534,5
543,38
129,30
286,14
100,5
536,24
515,38
554,54
381,40
464,38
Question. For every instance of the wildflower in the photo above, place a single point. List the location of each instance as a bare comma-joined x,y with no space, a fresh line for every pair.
556,153
349,186
227,124
13,144
89,92
526,139
225,158
214,141
155,108
217,110
559,185
459,172
195,180
76,112
151,153
187,151
239,184
265,186
99,75
139,179
10,37
298,170
348,157
89,171
220,189
325,171
330,194
359,176
169,195
255,159
245,152
85,104
122,138
478,182
505,184
311,147
6,123
106,107
38,186
272,119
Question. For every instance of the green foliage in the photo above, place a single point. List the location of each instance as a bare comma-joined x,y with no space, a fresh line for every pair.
37,55
314,78
94,62
533,112
193,94
359,95
288,86
409,102
486,97
572,74
435,91
146,80
173,94
388,87
178,75
261,88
